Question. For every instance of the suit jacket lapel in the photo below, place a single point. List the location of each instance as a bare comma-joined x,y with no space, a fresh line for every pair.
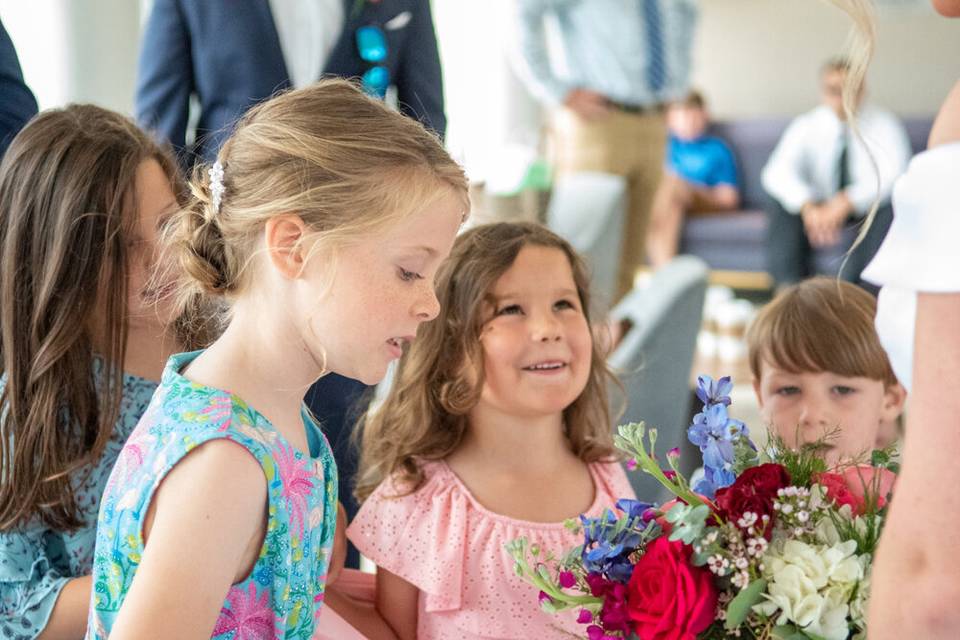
272,50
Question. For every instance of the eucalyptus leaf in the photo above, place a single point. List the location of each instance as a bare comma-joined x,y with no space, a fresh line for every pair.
739,607
787,632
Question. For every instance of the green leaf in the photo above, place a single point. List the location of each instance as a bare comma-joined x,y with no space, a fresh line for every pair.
549,606
787,632
544,573
739,607
677,512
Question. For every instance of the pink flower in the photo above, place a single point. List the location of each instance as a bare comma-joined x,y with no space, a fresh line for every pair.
248,615
857,485
613,613
837,491
585,616
567,579
297,478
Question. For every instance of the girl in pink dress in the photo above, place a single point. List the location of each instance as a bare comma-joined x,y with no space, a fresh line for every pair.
496,428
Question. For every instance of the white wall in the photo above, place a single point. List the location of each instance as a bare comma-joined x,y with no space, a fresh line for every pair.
761,57
76,50
752,57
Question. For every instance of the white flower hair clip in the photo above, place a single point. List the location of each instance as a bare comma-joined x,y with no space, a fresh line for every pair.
216,185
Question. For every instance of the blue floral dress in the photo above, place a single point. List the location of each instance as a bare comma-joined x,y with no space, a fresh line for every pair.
36,561
282,596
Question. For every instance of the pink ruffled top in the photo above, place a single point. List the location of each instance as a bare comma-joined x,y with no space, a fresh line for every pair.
444,542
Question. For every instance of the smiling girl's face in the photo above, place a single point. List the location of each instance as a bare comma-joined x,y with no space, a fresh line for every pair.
536,342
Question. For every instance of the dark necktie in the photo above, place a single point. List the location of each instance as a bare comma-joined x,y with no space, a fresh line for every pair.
843,164
656,76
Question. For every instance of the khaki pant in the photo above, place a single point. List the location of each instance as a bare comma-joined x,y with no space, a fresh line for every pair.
621,143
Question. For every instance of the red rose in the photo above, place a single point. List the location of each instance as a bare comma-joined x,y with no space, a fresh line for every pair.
754,490
854,485
667,597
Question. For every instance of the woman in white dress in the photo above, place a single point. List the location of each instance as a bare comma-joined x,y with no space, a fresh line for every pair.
916,577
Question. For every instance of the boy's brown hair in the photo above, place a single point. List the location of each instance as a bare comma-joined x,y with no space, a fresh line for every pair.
693,100
821,324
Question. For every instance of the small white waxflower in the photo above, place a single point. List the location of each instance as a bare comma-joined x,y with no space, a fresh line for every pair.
747,520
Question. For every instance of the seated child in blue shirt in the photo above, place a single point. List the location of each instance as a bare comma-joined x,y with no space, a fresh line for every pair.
700,177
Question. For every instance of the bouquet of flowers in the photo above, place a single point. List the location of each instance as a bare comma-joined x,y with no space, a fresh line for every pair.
766,545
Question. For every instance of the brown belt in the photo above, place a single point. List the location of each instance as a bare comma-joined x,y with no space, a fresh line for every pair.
637,109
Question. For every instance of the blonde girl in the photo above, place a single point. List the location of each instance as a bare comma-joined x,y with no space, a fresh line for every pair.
319,227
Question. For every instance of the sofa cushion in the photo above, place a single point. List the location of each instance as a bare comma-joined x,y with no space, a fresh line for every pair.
737,240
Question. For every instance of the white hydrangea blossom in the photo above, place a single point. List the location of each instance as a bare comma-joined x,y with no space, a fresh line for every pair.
811,586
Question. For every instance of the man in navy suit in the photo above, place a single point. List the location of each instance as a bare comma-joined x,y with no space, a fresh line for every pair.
231,54
17,104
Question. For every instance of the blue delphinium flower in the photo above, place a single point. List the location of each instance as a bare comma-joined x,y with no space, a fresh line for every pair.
609,560
607,547
716,434
712,391
633,508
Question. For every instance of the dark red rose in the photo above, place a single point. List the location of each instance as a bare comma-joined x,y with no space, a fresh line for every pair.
754,490
667,597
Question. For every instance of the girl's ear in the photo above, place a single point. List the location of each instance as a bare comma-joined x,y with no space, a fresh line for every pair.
284,235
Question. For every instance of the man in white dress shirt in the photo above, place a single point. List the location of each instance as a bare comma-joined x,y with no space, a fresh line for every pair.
821,178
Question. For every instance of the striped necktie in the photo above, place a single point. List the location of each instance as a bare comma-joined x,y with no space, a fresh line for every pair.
656,72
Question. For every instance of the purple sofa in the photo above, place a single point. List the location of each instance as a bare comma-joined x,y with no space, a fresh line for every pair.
736,241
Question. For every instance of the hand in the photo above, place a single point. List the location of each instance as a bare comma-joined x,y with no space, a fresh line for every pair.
587,104
338,556
822,222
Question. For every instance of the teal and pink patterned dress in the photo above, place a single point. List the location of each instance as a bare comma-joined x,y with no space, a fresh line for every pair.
282,596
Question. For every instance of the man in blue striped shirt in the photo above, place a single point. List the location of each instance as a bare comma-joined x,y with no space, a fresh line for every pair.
618,62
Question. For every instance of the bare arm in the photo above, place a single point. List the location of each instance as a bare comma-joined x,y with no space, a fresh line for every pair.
363,616
397,602
68,620
725,196
946,128
916,548
210,511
